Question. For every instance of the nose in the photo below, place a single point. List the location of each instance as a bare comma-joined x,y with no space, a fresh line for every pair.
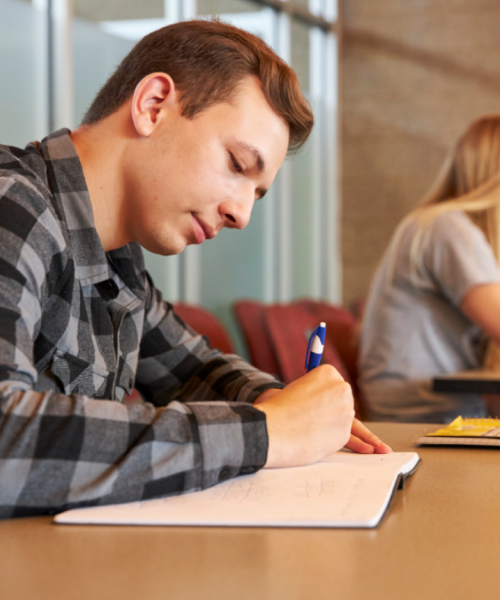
235,213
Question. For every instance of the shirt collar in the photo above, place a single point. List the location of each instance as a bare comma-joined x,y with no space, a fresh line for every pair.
67,182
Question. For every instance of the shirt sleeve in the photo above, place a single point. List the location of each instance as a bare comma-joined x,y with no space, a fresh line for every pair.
458,256
63,451
176,362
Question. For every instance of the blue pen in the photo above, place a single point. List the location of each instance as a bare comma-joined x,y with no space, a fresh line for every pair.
315,346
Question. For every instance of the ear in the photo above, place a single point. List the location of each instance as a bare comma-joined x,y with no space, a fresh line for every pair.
153,96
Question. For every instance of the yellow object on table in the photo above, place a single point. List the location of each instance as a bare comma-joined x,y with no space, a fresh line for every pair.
464,432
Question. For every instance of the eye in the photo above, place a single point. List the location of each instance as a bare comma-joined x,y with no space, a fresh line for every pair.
236,164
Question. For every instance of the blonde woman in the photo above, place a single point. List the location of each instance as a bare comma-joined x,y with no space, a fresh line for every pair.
434,303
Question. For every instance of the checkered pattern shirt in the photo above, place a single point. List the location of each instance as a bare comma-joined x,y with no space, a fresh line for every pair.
79,328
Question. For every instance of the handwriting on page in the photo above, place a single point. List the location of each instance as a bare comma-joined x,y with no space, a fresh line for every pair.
315,489
241,491
249,491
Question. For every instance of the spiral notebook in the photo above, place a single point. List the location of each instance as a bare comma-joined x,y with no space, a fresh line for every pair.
348,490
464,432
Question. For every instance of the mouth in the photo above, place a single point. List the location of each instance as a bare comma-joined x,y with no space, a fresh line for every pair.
202,230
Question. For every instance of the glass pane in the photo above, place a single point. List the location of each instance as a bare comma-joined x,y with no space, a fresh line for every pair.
323,8
96,55
313,169
118,10
219,7
300,53
232,263
22,98
303,215
251,16
304,3
104,31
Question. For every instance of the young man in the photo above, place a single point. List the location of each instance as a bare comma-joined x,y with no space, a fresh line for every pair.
182,139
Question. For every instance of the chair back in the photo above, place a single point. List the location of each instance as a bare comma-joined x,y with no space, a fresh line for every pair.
207,324
342,329
290,326
251,318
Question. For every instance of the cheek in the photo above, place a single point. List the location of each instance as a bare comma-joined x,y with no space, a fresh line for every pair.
211,182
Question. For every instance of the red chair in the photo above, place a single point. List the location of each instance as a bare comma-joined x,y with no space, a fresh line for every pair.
250,317
205,323
342,329
290,326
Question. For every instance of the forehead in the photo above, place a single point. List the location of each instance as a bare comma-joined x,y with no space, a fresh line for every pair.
249,114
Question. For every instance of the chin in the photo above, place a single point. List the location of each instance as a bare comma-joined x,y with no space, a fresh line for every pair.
163,247
160,242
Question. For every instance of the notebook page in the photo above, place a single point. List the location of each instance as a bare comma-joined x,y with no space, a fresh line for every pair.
348,490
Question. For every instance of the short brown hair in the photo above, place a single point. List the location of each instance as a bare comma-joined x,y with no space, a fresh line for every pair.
207,61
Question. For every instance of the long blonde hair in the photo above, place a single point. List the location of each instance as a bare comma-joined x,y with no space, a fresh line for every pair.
469,181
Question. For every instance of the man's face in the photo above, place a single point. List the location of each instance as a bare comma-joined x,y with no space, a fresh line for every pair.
192,177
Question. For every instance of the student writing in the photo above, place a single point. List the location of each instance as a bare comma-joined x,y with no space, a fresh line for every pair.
179,143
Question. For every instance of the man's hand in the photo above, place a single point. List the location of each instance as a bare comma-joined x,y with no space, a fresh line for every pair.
309,419
362,440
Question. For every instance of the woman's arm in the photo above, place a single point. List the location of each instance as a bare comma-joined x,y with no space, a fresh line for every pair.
482,305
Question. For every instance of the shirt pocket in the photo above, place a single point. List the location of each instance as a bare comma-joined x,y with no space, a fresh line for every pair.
79,376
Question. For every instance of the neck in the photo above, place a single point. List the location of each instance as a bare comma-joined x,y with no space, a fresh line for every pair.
100,148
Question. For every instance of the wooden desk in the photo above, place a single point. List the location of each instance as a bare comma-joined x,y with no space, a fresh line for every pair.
441,540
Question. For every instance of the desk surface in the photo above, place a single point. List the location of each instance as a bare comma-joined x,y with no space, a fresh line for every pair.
441,539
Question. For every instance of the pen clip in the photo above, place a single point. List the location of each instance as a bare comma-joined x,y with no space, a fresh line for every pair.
315,332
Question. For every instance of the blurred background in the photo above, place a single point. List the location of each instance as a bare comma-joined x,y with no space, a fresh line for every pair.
392,83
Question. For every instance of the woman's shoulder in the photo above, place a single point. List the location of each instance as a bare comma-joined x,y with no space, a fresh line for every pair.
443,218
454,227
450,225
453,218
426,240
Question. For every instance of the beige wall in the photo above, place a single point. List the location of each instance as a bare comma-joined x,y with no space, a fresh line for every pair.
414,73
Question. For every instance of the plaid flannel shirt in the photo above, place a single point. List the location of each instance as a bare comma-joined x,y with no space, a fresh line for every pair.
78,330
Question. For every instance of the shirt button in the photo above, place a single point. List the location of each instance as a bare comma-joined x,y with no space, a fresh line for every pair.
224,474
111,287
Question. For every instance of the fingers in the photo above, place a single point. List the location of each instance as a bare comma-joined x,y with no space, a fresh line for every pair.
366,437
327,371
357,445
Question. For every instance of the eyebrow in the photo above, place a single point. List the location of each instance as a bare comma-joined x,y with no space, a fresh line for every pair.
261,165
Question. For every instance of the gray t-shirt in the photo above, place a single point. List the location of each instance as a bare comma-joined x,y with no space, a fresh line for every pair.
413,328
